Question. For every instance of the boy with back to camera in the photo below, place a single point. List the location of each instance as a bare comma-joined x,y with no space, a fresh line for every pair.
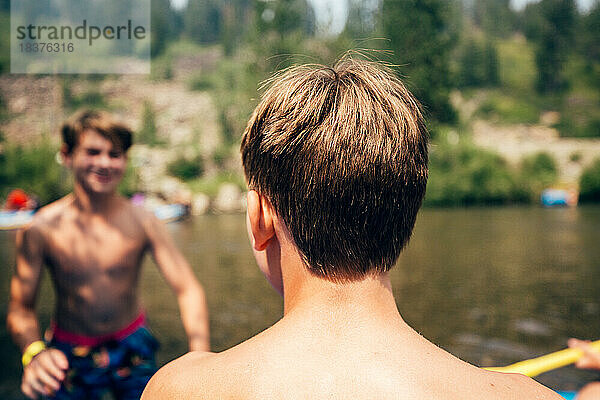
93,242
336,163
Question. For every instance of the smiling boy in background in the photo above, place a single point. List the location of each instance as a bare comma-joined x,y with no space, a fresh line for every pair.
93,242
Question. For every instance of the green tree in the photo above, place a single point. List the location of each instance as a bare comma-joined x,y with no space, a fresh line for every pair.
463,175
550,25
202,21
421,36
361,20
281,28
538,171
478,64
494,17
237,19
490,64
589,183
285,17
148,134
589,33
470,73
163,26
4,42
34,169
588,37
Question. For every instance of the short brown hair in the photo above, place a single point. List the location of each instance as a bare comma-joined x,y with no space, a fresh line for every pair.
341,153
99,121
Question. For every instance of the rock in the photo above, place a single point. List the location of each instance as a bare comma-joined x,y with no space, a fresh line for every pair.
200,204
532,327
550,118
172,189
19,105
229,199
151,202
182,196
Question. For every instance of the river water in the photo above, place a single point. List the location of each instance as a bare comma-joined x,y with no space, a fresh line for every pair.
491,285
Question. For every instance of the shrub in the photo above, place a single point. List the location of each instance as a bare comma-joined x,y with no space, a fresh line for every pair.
130,183
478,65
538,172
186,169
148,134
4,113
575,156
92,98
33,169
220,155
464,175
210,185
589,183
162,68
201,82
568,127
508,109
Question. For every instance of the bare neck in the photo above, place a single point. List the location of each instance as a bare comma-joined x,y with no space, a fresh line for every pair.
93,203
307,296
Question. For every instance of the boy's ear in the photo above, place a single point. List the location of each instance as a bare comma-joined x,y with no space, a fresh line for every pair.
65,155
260,215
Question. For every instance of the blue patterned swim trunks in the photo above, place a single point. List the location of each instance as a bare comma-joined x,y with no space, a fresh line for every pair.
121,364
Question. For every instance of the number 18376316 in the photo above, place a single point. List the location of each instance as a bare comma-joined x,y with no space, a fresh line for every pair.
47,47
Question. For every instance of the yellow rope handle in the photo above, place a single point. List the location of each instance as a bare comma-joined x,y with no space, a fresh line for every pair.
31,351
539,365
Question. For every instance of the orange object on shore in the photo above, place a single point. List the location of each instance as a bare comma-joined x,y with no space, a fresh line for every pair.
17,200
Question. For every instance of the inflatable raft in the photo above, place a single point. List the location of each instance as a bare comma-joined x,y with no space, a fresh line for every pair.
568,395
170,212
10,220
14,219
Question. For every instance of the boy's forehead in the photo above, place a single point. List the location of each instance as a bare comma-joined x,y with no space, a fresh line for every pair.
93,138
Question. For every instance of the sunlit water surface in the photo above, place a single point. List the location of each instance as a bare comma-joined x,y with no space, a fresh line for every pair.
492,286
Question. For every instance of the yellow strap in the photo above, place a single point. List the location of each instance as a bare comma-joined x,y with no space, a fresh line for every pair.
546,363
31,351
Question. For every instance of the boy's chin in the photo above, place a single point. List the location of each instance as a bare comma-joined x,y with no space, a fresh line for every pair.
102,189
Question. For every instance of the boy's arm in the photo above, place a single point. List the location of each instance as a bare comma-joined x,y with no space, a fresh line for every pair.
190,294
44,372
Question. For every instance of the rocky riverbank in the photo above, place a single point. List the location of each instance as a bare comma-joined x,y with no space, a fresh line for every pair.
187,124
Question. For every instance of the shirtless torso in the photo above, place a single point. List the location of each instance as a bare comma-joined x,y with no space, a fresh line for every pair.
97,277
93,242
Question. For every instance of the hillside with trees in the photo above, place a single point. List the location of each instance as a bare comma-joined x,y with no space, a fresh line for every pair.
512,97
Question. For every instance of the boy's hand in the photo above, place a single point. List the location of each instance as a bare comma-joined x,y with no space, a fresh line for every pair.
44,374
591,357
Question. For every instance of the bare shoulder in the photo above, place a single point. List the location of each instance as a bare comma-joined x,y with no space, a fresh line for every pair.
534,389
192,376
145,218
202,375
44,219
141,220
465,381
49,214
523,386
138,211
